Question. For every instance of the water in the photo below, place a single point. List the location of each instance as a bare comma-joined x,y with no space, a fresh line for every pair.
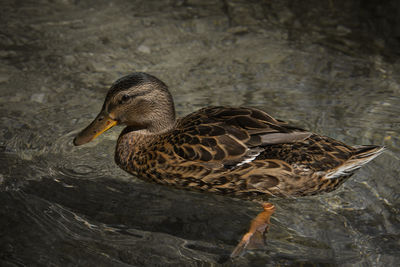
72,206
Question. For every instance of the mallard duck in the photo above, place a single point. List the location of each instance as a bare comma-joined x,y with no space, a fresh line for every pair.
241,152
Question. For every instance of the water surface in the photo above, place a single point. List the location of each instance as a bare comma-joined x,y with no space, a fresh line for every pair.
72,206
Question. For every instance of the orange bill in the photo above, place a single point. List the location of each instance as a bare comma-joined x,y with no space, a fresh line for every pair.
99,125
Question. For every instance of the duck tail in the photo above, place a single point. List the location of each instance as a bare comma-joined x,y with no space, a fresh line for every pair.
362,155
367,153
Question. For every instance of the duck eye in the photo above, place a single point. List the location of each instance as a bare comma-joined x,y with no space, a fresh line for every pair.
124,98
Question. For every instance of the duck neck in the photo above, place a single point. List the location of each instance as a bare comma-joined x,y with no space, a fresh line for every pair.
160,123
162,117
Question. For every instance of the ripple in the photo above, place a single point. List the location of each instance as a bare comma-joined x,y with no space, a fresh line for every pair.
79,171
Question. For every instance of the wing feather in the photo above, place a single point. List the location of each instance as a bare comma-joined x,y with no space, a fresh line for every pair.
232,136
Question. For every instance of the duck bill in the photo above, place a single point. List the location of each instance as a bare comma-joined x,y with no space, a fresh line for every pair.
99,125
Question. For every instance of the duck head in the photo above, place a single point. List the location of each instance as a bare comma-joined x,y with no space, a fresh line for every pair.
138,100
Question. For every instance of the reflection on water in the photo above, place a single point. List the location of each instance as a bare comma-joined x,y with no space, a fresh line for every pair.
66,205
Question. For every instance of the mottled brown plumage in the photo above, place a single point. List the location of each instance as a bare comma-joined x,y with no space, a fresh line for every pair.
239,152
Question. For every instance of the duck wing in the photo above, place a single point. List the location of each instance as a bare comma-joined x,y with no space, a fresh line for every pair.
230,136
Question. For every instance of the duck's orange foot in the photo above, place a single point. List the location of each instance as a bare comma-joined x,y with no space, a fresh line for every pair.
254,238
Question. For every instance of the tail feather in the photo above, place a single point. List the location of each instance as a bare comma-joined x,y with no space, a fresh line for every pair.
362,156
368,151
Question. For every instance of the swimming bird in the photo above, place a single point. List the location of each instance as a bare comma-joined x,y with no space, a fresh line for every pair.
240,152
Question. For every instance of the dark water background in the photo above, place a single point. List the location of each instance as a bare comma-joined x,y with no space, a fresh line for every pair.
329,66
